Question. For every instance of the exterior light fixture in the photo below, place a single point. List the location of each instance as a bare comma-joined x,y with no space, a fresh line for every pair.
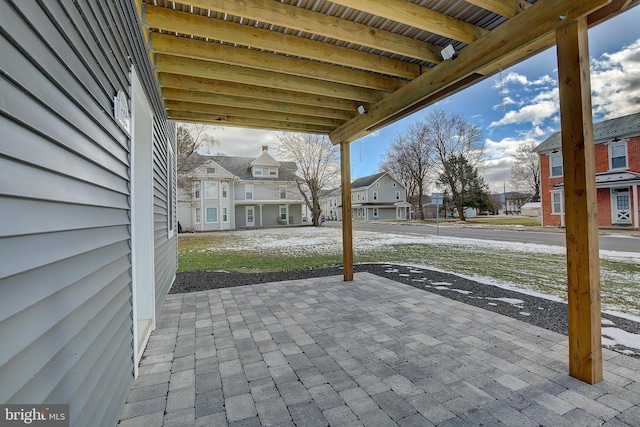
361,109
449,52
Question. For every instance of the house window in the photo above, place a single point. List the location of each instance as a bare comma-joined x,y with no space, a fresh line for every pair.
257,171
283,214
618,156
196,190
273,172
211,190
248,191
198,216
394,184
225,188
375,212
212,215
397,195
211,170
283,191
375,195
377,184
556,202
555,164
225,215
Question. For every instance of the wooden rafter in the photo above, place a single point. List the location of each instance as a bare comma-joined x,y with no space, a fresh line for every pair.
244,35
222,120
418,17
508,8
256,104
295,18
249,92
230,55
230,73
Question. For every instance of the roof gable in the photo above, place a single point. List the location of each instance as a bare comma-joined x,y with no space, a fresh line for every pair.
367,181
265,159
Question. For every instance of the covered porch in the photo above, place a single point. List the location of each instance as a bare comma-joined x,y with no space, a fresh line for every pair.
347,68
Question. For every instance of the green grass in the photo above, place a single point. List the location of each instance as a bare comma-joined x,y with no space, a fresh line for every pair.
543,271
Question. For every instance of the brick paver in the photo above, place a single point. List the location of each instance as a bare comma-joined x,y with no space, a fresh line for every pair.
368,352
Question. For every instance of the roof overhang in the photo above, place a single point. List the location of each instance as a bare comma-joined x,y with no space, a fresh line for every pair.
307,66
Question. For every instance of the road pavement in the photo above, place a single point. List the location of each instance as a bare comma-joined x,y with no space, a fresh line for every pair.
612,240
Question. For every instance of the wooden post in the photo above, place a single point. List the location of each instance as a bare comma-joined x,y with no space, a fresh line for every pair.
583,264
347,226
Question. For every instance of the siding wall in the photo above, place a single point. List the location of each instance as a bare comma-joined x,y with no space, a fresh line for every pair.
65,275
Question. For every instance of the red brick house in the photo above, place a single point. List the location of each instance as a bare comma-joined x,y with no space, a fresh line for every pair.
617,153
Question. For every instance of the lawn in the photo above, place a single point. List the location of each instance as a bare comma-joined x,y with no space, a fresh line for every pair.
524,266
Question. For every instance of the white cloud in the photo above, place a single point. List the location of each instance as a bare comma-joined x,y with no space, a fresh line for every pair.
243,142
615,82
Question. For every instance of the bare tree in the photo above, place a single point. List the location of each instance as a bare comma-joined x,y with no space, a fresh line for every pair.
451,137
408,159
191,139
525,170
318,166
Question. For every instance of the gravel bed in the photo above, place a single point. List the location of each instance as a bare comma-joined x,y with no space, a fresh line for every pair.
548,314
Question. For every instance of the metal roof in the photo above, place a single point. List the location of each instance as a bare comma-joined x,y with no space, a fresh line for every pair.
606,130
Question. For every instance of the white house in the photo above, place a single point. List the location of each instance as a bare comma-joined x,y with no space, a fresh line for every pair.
374,197
238,192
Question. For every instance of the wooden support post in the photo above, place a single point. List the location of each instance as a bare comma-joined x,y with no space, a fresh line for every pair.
583,264
347,225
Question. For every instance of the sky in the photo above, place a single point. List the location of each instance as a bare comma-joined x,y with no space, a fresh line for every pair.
512,109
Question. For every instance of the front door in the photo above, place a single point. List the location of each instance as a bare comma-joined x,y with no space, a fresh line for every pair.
251,216
621,206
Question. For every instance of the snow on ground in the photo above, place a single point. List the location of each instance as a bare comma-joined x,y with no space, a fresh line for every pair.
322,240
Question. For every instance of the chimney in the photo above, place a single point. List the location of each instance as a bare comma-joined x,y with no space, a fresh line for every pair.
265,148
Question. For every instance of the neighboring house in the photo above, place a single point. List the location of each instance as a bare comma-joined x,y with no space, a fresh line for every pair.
87,201
378,196
240,192
374,197
617,157
331,204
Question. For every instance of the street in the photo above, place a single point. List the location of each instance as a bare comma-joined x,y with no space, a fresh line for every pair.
610,240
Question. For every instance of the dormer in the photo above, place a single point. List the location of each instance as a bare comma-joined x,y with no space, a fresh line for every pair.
265,166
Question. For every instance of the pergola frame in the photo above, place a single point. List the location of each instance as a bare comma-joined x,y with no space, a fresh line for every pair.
306,66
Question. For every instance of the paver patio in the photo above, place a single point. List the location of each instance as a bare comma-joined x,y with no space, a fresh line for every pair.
371,352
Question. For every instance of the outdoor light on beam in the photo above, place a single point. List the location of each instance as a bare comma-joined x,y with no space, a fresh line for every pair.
361,109
448,52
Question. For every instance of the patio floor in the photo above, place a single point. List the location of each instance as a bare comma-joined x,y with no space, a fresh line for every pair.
370,352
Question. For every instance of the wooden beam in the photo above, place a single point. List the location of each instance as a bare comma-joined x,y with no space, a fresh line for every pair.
247,112
542,18
256,104
609,11
347,220
169,80
230,73
266,61
321,24
508,8
245,35
244,122
581,210
418,17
